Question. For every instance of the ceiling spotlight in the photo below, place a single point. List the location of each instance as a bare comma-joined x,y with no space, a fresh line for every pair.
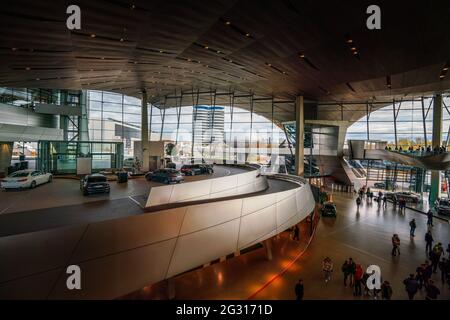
349,41
37,79
206,47
121,39
93,35
445,69
27,68
161,51
227,23
133,6
14,49
355,52
301,55
247,34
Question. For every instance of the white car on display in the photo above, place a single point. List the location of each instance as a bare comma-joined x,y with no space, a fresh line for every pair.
25,179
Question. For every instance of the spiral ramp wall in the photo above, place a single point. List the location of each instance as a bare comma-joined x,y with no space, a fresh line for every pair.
118,256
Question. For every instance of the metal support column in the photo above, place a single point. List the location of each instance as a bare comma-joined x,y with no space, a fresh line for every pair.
144,133
436,143
299,136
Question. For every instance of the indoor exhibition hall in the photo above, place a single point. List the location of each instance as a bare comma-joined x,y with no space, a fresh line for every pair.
224,150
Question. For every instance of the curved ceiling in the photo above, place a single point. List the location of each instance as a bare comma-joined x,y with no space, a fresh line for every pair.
271,48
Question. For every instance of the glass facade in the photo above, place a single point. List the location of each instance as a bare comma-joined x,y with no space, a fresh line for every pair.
231,131
413,122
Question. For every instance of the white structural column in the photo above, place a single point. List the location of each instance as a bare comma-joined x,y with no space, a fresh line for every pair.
436,143
299,135
144,133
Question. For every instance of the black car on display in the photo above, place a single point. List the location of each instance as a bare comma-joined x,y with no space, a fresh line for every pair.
94,183
442,206
166,176
195,169
328,210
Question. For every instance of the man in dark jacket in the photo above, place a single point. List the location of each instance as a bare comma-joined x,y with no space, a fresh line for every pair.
411,286
432,290
420,275
428,272
430,218
345,271
443,266
351,271
429,241
299,290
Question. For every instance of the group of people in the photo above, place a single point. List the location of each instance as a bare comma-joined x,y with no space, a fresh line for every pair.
421,149
356,277
422,277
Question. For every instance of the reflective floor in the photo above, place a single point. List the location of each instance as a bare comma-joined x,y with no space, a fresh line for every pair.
365,236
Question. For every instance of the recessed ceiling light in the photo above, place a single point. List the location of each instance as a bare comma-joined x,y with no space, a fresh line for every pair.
355,52
93,35
445,68
247,34
37,79
227,23
13,49
302,55
161,51
27,68
349,41
121,39
133,6
206,47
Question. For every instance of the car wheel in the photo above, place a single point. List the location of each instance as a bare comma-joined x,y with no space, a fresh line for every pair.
33,184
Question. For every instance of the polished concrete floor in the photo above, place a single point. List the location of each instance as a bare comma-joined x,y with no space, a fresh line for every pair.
365,236
61,203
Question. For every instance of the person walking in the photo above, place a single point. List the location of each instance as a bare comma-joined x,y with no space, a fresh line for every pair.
345,271
395,245
299,290
411,286
386,291
435,256
327,268
384,201
443,267
420,275
412,225
430,218
428,272
296,233
358,279
432,290
358,203
429,241
351,271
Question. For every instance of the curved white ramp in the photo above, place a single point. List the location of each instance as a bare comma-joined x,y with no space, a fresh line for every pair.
122,255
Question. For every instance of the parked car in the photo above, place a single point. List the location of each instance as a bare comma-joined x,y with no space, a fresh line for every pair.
380,185
328,209
166,176
408,196
195,169
442,206
25,179
94,183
